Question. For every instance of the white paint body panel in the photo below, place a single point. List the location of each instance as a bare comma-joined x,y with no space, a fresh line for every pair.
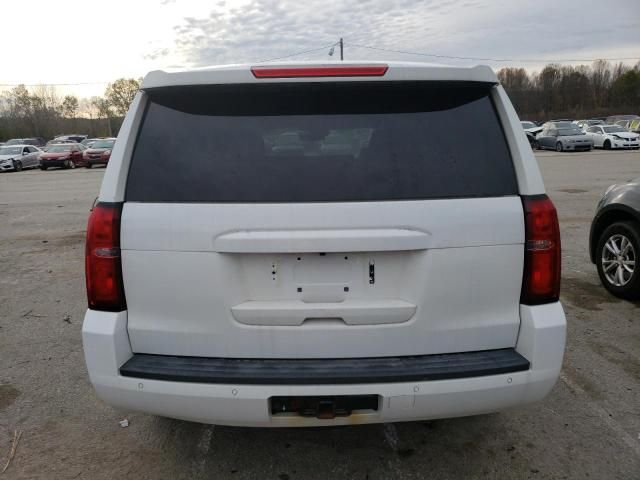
524,161
329,240
630,140
242,74
541,340
462,280
247,281
296,312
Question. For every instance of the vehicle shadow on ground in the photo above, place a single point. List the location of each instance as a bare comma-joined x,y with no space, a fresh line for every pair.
368,451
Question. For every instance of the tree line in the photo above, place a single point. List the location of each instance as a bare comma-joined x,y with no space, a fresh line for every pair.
42,112
556,91
565,91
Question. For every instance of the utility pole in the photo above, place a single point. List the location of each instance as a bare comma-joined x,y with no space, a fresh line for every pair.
341,49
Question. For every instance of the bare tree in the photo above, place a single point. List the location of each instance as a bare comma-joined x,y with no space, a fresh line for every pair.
103,109
120,94
625,89
600,81
70,106
45,110
547,82
517,83
619,69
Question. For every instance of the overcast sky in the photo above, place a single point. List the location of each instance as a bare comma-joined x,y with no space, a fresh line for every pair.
74,41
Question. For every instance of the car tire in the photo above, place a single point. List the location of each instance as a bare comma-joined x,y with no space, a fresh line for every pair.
17,166
69,164
42,167
620,279
606,145
88,165
559,147
536,145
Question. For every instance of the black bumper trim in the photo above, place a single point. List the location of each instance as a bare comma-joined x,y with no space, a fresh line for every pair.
324,371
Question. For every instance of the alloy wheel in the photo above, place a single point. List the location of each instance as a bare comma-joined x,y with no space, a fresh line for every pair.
618,260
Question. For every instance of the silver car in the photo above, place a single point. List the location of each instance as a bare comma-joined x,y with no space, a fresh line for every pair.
16,157
563,136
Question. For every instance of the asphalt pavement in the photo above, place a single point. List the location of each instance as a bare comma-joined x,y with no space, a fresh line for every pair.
588,427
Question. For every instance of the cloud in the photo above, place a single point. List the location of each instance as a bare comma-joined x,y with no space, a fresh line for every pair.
263,29
156,54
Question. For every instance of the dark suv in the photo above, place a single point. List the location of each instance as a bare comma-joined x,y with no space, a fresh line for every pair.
614,242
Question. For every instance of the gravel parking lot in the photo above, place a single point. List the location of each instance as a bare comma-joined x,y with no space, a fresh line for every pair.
589,427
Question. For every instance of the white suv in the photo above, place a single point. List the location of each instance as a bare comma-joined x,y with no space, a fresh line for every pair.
316,244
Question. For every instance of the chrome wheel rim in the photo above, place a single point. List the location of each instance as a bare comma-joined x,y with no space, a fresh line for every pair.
618,260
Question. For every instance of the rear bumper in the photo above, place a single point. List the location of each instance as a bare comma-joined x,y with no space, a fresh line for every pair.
625,144
541,342
581,147
324,371
96,161
53,163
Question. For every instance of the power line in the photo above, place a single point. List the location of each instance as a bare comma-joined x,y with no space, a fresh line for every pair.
51,84
325,47
300,53
541,60
368,47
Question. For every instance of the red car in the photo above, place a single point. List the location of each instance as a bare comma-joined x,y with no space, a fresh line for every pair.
99,152
66,155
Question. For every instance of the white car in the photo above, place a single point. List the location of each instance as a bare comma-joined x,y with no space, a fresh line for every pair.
230,282
18,157
585,124
613,136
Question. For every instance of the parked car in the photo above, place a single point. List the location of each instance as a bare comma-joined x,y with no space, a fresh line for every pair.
613,136
531,130
58,142
35,141
73,137
87,142
236,284
99,152
65,155
615,118
624,124
563,136
19,157
585,124
558,124
614,240
558,120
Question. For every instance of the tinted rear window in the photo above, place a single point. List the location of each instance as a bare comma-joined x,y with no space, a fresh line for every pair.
320,142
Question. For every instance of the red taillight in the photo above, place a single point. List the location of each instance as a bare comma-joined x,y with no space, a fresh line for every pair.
103,269
338,71
541,279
